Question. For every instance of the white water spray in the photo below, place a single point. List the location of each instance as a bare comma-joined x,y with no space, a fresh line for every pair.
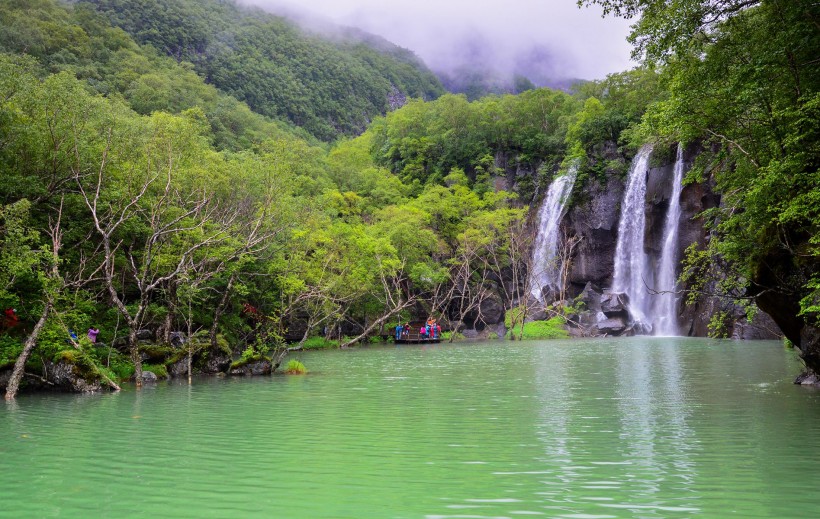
666,314
546,272
632,273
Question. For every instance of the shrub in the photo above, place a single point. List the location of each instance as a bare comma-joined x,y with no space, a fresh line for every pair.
550,329
319,343
121,366
248,355
10,349
294,367
456,336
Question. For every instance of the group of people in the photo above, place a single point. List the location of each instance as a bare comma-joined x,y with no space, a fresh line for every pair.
92,335
402,331
9,319
429,330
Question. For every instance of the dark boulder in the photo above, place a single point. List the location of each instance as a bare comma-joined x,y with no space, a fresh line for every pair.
810,347
145,335
761,327
252,368
492,313
68,377
590,296
612,326
178,339
215,362
149,376
615,304
807,378
179,369
470,333
536,312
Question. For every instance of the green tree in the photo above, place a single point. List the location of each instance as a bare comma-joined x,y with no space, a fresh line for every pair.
743,78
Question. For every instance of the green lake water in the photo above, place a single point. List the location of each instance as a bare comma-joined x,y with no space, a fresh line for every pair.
638,428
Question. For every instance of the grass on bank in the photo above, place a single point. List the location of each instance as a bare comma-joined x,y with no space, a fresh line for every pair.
552,328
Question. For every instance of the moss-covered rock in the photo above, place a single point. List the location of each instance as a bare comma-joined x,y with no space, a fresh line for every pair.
67,375
211,362
156,353
253,366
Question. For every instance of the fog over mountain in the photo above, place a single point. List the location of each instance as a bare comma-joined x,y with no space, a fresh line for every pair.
548,41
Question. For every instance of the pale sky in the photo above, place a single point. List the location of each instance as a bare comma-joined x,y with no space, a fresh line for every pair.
577,42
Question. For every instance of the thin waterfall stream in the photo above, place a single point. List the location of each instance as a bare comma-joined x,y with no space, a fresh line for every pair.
651,291
546,271
632,273
666,315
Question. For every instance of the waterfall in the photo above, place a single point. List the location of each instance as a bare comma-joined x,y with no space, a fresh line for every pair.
666,315
546,272
632,273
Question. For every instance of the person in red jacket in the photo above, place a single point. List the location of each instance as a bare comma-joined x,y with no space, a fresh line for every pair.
10,319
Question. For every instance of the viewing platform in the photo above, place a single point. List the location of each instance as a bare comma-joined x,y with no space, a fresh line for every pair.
415,338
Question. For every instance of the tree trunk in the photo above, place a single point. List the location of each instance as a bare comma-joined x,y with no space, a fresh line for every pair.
20,364
306,334
133,344
376,323
454,331
170,317
220,309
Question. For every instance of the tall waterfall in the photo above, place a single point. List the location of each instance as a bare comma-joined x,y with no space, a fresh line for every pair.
546,271
666,314
632,273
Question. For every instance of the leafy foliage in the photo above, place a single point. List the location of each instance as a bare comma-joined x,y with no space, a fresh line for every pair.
538,330
743,80
329,87
294,367
426,142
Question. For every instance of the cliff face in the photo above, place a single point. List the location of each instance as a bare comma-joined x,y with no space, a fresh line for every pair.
595,221
594,217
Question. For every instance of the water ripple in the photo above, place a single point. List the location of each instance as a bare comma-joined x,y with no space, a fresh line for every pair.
583,430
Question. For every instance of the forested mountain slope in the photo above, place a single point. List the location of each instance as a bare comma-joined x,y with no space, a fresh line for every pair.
329,85
137,199
77,40
140,200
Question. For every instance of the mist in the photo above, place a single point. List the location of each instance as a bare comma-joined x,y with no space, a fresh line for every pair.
548,41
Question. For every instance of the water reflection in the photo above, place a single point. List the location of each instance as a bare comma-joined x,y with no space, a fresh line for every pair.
656,438
643,427
592,455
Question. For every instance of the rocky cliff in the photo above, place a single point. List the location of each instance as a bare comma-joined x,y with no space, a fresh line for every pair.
594,218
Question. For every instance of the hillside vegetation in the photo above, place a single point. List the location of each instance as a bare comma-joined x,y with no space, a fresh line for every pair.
138,195
329,85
